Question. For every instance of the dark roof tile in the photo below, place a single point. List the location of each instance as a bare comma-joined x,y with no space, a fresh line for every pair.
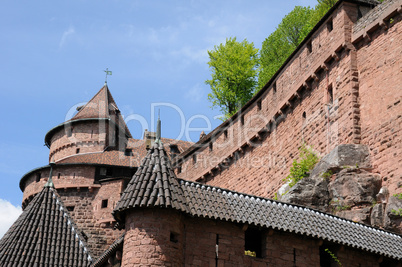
44,234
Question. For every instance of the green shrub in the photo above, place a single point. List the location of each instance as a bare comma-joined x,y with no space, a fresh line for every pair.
397,212
327,175
398,196
300,169
250,253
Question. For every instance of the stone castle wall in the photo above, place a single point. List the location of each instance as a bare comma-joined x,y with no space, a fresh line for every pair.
254,152
86,136
379,57
204,242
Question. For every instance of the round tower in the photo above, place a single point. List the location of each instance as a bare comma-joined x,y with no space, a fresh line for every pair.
92,167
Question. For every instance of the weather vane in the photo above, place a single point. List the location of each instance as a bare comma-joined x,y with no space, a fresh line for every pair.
108,72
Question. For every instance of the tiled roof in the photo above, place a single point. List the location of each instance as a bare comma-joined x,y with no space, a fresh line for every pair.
44,235
118,244
155,185
102,105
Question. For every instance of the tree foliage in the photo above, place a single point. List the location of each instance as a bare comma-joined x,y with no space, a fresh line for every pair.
282,42
293,28
234,67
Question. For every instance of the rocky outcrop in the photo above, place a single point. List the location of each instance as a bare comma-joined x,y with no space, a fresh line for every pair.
342,184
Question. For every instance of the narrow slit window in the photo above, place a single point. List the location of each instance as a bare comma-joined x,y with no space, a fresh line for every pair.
179,169
242,120
259,104
225,134
58,176
195,158
211,146
330,94
274,87
330,25
77,151
104,203
38,177
309,47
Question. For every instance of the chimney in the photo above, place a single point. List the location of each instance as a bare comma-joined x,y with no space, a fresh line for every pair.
202,135
149,138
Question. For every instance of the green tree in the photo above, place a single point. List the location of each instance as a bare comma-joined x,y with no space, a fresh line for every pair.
320,10
234,67
283,41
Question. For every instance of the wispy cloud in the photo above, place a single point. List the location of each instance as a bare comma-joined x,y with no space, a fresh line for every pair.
196,93
8,214
66,34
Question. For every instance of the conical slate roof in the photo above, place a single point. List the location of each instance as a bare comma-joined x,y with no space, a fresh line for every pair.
44,235
153,185
102,106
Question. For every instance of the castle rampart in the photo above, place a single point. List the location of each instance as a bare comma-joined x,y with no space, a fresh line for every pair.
318,97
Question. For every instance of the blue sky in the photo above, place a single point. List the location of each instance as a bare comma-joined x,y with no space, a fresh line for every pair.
53,54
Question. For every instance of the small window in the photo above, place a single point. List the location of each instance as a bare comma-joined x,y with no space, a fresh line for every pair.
58,176
179,169
225,134
330,25
128,152
77,151
70,208
259,104
194,158
254,242
304,115
38,177
274,87
330,94
309,47
211,146
242,120
174,149
174,237
104,203
74,175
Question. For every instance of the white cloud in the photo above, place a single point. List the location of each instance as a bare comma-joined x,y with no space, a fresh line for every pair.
70,31
8,215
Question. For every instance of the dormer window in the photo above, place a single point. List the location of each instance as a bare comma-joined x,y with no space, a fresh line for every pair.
128,152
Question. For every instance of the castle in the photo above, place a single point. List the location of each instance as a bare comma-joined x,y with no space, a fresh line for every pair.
107,199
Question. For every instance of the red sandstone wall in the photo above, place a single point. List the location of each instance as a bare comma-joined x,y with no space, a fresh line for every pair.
147,242
99,236
379,57
109,191
87,136
70,177
259,163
